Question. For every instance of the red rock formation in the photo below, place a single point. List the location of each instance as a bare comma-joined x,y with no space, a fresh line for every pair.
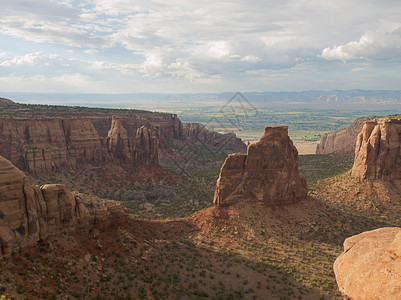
5,102
378,150
369,267
47,145
342,141
268,173
120,146
28,214
44,145
146,147
198,133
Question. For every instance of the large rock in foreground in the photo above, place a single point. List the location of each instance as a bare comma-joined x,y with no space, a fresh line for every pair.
378,150
268,173
370,266
29,214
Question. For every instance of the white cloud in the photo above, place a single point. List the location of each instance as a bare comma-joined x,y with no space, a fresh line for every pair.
27,59
377,45
91,51
197,42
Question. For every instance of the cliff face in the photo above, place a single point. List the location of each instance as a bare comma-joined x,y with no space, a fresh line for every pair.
268,173
46,145
146,150
198,133
342,141
28,214
378,150
50,144
369,267
120,146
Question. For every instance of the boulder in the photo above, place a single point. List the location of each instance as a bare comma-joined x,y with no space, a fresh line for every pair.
370,266
268,173
378,150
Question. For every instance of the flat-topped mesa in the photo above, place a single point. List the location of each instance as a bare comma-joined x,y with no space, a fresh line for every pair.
268,173
378,150
28,215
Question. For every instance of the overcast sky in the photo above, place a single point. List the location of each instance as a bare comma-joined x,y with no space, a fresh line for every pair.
128,46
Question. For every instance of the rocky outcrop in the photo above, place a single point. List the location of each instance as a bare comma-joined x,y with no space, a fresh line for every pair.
268,173
378,150
369,267
146,149
47,145
5,102
44,145
342,141
198,133
120,146
30,214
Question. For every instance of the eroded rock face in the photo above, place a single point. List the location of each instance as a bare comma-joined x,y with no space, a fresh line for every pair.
341,141
378,150
120,146
146,147
46,145
370,266
29,214
198,133
268,173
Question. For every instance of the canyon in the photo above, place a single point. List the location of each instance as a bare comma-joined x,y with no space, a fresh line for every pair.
267,234
43,142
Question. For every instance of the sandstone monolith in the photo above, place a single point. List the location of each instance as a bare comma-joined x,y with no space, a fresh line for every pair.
268,173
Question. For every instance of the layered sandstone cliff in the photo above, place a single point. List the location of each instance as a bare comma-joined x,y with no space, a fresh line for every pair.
342,141
44,145
120,146
370,266
268,173
378,150
198,133
30,214
146,150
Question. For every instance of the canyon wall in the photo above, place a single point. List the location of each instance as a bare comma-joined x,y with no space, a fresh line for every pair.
378,150
30,214
198,133
268,173
341,141
44,145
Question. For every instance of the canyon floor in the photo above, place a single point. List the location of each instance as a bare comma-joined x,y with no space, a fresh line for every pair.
196,251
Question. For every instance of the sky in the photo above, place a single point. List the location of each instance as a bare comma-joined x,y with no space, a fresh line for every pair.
143,46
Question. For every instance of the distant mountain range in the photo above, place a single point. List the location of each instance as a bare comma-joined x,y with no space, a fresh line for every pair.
352,98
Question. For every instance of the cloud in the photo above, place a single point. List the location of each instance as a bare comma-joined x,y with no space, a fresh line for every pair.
377,45
155,42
